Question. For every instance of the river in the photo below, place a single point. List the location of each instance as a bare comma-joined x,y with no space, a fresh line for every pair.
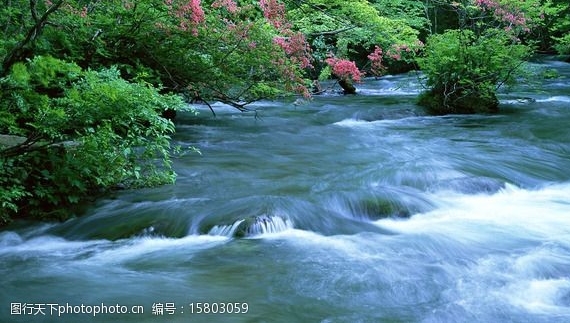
339,209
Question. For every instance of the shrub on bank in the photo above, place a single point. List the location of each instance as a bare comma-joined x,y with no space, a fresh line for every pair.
82,132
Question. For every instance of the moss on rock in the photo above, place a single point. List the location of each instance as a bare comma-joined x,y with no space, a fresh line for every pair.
437,102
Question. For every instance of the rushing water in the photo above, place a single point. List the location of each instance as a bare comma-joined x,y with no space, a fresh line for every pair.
341,209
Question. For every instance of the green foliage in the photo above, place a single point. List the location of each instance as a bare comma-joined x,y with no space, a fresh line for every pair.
83,132
556,27
12,189
560,27
351,29
221,59
325,74
550,73
413,13
27,93
124,121
466,66
464,70
562,45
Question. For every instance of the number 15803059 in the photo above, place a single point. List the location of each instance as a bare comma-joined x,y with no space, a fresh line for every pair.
218,308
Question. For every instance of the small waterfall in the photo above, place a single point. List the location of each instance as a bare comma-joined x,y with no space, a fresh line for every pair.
225,230
252,226
264,225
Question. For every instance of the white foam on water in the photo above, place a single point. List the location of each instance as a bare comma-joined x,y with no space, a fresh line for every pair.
558,98
516,247
499,281
358,123
272,225
536,214
351,123
541,296
138,248
9,238
515,101
43,245
389,91
101,251
349,248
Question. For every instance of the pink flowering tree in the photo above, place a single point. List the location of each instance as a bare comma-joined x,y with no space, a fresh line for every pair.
344,69
376,58
292,44
231,51
346,72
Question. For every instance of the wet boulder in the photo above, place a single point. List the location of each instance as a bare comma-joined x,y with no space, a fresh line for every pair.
439,103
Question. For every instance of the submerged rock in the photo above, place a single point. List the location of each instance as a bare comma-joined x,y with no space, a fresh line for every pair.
376,208
437,102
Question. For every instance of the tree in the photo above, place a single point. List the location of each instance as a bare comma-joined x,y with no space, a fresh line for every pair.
68,132
412,12
557,26
465,67
210,51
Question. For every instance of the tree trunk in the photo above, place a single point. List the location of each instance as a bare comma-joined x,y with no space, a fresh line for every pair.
347,87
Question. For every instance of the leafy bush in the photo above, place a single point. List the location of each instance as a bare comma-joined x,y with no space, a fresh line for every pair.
81,132
563,44
464,70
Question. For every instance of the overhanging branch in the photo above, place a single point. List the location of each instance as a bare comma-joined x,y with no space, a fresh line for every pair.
332,32
17,53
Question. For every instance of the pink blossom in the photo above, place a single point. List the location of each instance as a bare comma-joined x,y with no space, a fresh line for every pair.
376,61
395,52
506,14
296,47
197,14
189,13
303,90
230,5
274,12
344,69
